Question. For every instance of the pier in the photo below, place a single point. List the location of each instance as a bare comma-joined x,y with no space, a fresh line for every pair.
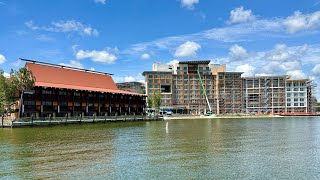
52,121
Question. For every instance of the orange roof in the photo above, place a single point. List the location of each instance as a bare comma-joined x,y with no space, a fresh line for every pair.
58,77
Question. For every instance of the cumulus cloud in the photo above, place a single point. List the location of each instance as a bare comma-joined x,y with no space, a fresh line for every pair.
240,15
97,56
129,78
247,70
296,74
299,22
66,27
145,56
100,1
73,63
316,70
188,3
2,59
187,49
237,52
173,62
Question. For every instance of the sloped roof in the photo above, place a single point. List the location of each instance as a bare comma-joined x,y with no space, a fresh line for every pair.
68,78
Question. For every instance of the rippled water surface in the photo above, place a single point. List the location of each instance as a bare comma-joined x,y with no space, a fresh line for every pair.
281,148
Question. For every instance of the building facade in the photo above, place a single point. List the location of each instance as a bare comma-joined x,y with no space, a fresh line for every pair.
64,91
136,87
196,85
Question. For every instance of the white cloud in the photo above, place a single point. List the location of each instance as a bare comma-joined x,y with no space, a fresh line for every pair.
247,70
2,59
189,3
299,22
187,49
6,74
100,1
129,78
173,62
145,56
316,70
73,63
296,74
97,56
66,27
240,15
237,52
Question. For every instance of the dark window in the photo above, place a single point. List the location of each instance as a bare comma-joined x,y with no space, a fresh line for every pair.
165,88
46,92
63,93
47,103
63,103
76,94
29,103
76,104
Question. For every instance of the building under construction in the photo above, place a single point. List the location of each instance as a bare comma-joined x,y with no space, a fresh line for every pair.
197,87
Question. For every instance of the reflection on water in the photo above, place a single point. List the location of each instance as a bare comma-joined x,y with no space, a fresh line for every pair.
287,148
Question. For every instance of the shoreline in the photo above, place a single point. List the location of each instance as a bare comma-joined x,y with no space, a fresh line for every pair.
229,117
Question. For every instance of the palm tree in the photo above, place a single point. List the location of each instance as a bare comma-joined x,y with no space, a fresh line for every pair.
23,80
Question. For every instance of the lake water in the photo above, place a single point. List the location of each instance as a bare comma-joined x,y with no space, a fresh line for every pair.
279,148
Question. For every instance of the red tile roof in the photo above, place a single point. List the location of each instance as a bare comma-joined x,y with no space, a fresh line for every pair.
58,77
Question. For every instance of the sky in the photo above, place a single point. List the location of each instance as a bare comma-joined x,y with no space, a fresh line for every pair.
125,37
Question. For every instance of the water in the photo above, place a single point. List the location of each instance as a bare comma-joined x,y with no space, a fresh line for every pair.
281,148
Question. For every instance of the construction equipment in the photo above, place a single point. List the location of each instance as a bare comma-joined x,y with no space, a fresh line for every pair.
205,94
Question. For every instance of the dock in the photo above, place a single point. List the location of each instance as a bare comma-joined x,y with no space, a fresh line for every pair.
48,121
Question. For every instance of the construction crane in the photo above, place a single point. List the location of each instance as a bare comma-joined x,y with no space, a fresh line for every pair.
205,94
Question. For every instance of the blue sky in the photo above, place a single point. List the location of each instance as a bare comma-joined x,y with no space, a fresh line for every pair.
126,37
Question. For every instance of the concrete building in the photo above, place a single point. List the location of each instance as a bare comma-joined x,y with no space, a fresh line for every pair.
225,92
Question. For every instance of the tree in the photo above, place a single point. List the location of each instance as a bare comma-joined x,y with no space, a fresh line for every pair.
7,93
156,101
22,80
149,102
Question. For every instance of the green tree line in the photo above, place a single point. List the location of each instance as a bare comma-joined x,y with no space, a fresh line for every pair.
12,87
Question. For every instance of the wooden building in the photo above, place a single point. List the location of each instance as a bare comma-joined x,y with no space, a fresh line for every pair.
65,91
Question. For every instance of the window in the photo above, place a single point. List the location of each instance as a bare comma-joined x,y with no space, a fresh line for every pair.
296,104
150,76
47,103
301,104
178,68
288,100
296,89
63,103
288,94
63,93
155,76
301,99
165,88
295,99
185,68
32,103
301,89
76,94
288,104
76,104
150,86
150,80
46,92
301,94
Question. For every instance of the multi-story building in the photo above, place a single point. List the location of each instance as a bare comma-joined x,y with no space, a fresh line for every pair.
136,87
181,87
61,91
297,95
264,94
